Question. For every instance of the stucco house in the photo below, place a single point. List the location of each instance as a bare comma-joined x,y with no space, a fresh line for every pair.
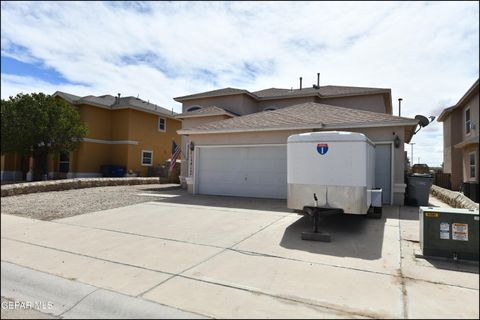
236,139
123,131
460,142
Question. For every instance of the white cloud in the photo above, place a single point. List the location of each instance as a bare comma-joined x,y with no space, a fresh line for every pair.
427,53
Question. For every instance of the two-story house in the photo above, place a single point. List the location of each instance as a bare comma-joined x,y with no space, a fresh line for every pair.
236,139
122,131
460,142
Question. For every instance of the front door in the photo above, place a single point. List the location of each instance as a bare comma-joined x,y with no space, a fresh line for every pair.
383,170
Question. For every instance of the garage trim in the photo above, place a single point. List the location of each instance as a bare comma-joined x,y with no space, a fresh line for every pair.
197,150
392,170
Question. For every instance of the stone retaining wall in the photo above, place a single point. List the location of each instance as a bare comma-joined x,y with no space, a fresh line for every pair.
67,184
453,198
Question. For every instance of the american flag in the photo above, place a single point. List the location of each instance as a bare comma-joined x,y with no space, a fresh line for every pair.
176,151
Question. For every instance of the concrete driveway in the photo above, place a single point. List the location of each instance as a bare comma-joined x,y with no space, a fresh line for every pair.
227,257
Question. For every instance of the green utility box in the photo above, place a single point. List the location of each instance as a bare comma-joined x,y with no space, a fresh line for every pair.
449,233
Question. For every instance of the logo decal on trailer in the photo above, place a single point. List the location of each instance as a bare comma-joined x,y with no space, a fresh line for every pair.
322,148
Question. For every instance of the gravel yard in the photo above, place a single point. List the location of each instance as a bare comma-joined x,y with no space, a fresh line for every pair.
61,204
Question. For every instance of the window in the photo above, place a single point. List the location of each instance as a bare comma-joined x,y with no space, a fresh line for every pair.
162,124
147,158
193,108
472,166
64,163
467,121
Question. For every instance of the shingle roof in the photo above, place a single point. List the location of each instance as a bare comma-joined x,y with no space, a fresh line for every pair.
214,93
67,96
271,93
207,111
305,115
110,102
145,105
324,91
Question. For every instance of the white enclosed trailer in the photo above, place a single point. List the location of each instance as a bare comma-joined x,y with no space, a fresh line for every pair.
336,168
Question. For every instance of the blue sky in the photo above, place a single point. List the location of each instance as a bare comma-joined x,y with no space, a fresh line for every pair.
426,52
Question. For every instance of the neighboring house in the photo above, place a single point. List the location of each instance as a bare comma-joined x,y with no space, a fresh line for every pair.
236,139
124,131
460,141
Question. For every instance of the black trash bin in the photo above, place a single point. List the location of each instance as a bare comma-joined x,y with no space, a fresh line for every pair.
106,170
418,189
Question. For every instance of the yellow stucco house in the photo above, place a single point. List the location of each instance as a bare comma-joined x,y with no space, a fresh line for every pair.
123,131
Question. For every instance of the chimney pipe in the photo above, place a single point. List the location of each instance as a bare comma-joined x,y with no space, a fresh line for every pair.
318,79
400,106
300,83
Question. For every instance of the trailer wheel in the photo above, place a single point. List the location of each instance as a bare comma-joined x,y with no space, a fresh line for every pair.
375,212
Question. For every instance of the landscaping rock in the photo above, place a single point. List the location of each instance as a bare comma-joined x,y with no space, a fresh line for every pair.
453,198
67,184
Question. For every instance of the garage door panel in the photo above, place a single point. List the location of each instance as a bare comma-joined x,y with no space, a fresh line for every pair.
243,171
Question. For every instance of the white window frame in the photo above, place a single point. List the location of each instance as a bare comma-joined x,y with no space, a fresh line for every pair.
151,158
60,162
196,107
164,124
468,123
470,165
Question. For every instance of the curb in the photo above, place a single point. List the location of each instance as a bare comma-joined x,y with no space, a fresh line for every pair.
70,299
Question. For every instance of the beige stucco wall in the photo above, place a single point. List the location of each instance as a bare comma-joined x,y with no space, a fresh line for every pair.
190,123
243,104
447,142
452,157
374,103
472,104
384,134
454,132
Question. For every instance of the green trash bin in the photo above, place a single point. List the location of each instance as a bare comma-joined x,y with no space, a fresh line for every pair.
418,189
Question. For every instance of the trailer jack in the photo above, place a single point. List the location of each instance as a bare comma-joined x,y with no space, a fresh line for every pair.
316,235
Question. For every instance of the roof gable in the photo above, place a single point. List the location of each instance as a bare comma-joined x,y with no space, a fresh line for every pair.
206,112
468,95
273,93
113,103
301,116
214,93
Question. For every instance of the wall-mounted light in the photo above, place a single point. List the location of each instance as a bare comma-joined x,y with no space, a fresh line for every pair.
192,145
396,141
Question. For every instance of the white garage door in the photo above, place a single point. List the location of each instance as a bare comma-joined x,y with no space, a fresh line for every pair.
383,170
259,172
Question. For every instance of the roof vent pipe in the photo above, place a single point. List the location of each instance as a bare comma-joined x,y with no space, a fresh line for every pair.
318,79
399,106
300,83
